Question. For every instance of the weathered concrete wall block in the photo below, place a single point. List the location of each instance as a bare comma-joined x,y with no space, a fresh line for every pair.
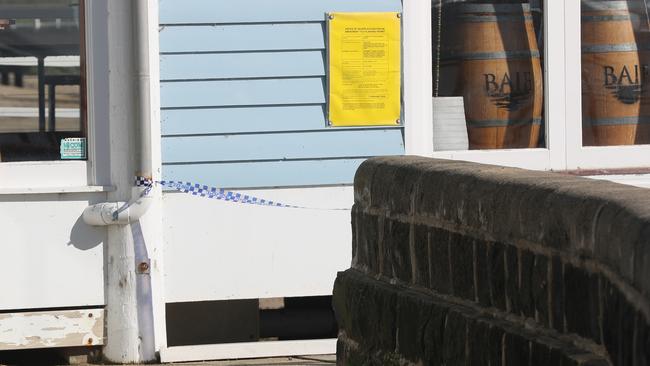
457,263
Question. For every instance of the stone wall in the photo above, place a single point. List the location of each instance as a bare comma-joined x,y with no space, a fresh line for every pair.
457,263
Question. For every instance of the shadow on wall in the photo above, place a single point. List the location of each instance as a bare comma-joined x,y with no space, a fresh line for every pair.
84,236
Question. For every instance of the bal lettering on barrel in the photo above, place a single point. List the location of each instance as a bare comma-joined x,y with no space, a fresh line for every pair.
490,57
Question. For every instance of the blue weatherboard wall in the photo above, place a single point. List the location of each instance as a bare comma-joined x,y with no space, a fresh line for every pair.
243,94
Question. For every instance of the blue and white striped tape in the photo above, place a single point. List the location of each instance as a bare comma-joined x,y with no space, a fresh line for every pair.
218,193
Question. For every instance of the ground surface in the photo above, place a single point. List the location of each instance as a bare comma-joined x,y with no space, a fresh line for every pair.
51,358
19,107
277,361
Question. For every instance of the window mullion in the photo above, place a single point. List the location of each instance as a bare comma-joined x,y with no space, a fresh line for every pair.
573,77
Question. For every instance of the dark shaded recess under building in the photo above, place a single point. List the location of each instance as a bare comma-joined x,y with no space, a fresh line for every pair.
233,321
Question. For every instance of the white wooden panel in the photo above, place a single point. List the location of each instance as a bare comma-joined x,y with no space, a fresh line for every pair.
218,250
65,328
416,48
534,159
49,190
31,174
248,350
607,157
555,77
50,258
638,180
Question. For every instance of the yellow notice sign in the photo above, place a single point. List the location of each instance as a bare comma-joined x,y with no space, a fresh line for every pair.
364,69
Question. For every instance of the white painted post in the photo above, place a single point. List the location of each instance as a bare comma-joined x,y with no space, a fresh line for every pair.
418,89
122,344
129,305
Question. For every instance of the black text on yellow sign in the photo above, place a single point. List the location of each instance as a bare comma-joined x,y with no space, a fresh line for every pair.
364,69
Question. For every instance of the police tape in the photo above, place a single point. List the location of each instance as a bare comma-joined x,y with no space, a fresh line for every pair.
219,194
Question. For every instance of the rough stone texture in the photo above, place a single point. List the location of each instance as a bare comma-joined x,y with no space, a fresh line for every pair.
457,263
440,263
557,294
421,255
496,265
539,287
462,268
428,329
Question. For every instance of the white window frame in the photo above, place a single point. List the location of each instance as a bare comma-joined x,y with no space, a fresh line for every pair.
90,175
418,134
562,99
590,157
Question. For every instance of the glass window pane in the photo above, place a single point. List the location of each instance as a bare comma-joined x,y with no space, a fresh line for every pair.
615,65
487,74
40,80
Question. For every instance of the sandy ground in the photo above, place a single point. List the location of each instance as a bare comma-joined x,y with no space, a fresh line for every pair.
25,124
320,360
67,96
323,360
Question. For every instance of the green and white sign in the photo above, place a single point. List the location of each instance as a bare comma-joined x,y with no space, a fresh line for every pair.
73,148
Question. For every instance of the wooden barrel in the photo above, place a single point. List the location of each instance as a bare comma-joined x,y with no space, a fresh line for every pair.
615,66
490,57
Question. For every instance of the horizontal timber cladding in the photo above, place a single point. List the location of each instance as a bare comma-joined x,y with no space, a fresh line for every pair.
270,173
238,38
222,93
243,95
242,65
250,119
280,146
257,11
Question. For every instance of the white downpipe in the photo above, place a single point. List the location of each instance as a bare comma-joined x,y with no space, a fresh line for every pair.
122,213
119,213
143,74
130,333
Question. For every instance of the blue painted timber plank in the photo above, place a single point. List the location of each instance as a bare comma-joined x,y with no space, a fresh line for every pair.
241,119
228,38
333,143
242,92
221,11
242,65
266,174
244,11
